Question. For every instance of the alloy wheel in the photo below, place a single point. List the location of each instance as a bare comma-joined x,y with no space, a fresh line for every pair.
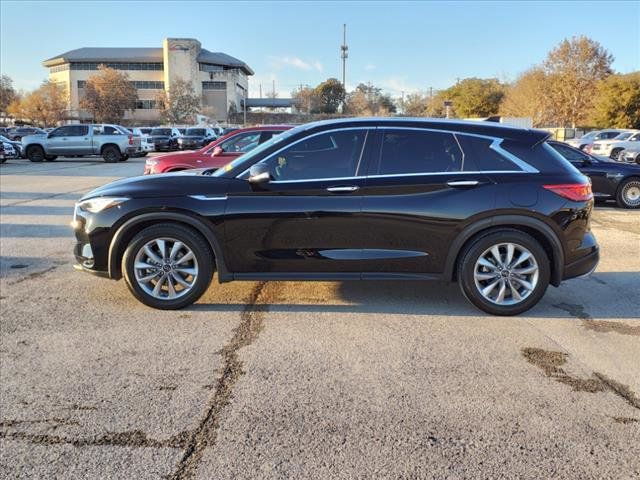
631,193
165,268
506,273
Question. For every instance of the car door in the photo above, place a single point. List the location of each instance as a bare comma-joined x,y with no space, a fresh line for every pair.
78,141
306,219
421,189
57,140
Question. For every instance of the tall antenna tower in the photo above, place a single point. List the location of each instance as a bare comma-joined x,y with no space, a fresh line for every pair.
345,54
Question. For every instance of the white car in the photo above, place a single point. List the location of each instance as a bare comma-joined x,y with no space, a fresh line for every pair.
612,148
146,145
630,154
589,138
9,151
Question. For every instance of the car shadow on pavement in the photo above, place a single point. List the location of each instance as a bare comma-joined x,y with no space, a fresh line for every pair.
579,298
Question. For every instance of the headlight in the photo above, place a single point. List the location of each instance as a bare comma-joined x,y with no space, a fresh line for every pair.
95,205
151,162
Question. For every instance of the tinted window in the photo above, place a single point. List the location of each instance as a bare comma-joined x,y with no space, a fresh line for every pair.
611,134
196,132
108,130
635,138
480,157
161,132
62,131
241,143
569,153
413,151
267,135
327,155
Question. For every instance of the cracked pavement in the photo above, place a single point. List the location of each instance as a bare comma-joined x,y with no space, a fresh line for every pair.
304,380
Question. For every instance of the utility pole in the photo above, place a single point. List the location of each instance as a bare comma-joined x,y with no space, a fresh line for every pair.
260,90
430,93
273,89
344,49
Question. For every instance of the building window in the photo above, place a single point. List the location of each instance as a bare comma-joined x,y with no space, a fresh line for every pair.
214,85
148,85
116,66
59,68
243,91
210,67
139,84
146,105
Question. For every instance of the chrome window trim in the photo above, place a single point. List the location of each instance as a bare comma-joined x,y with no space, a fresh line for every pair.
495,145
239,176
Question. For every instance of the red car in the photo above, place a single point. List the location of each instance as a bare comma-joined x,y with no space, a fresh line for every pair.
216,154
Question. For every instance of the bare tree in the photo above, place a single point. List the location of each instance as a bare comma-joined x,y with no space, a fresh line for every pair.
179,104
108,95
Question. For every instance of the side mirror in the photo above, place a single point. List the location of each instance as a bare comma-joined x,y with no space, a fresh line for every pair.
217,151
259,173
587,162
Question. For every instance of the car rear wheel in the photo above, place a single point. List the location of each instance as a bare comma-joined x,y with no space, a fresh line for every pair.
111,154
50,158
628,195
124,158
168,266
505,272
35,153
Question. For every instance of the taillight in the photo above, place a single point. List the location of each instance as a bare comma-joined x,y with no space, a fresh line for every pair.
578,192
130,139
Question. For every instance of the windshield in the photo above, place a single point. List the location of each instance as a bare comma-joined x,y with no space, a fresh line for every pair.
161,132
247,157
590,135
196,132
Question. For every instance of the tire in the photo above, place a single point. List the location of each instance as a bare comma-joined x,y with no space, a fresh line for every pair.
111,154
628,194
50,158
615,153
124,158
197,272
3,159
35,153
479,250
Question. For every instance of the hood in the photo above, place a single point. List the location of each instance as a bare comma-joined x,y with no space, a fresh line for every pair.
179,184
32,136
193,137
159,137
619,167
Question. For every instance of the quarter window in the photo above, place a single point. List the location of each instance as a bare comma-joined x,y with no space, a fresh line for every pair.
414,151
480,157
327,155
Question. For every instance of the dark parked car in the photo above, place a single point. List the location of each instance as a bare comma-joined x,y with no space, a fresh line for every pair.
17,133
619,181
164,138
492,207
196,137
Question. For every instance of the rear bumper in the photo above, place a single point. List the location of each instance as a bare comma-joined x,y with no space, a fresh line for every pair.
584,266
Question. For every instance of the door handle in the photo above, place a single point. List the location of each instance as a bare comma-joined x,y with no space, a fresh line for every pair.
352,188
463,183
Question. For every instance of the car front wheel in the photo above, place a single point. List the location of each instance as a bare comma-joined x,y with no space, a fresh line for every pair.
168,266
505,272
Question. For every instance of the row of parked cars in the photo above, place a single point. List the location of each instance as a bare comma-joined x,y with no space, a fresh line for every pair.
112,142
617,144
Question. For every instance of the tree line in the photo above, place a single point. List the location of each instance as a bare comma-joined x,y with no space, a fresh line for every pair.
573,86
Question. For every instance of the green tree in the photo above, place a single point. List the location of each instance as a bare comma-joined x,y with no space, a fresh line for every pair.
617,102
108,95
475,97
573,70
180,104
7,93
330,94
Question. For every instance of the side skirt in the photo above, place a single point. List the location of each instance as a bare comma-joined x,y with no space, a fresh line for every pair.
296,276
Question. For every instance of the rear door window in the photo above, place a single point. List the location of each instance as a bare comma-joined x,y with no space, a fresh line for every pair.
405,152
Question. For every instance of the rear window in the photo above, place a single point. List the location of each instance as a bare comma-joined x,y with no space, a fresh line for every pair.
196,132
542,157
161,132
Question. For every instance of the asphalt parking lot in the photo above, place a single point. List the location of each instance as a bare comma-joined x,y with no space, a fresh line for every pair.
304,380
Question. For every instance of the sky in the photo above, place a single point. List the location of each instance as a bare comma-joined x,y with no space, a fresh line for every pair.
398,46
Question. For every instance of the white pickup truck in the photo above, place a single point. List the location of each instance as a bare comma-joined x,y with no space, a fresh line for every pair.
112,142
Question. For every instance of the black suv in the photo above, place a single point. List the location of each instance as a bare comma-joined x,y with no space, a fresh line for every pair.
492,207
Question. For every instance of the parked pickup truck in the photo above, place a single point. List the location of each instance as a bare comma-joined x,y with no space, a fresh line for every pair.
112,142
